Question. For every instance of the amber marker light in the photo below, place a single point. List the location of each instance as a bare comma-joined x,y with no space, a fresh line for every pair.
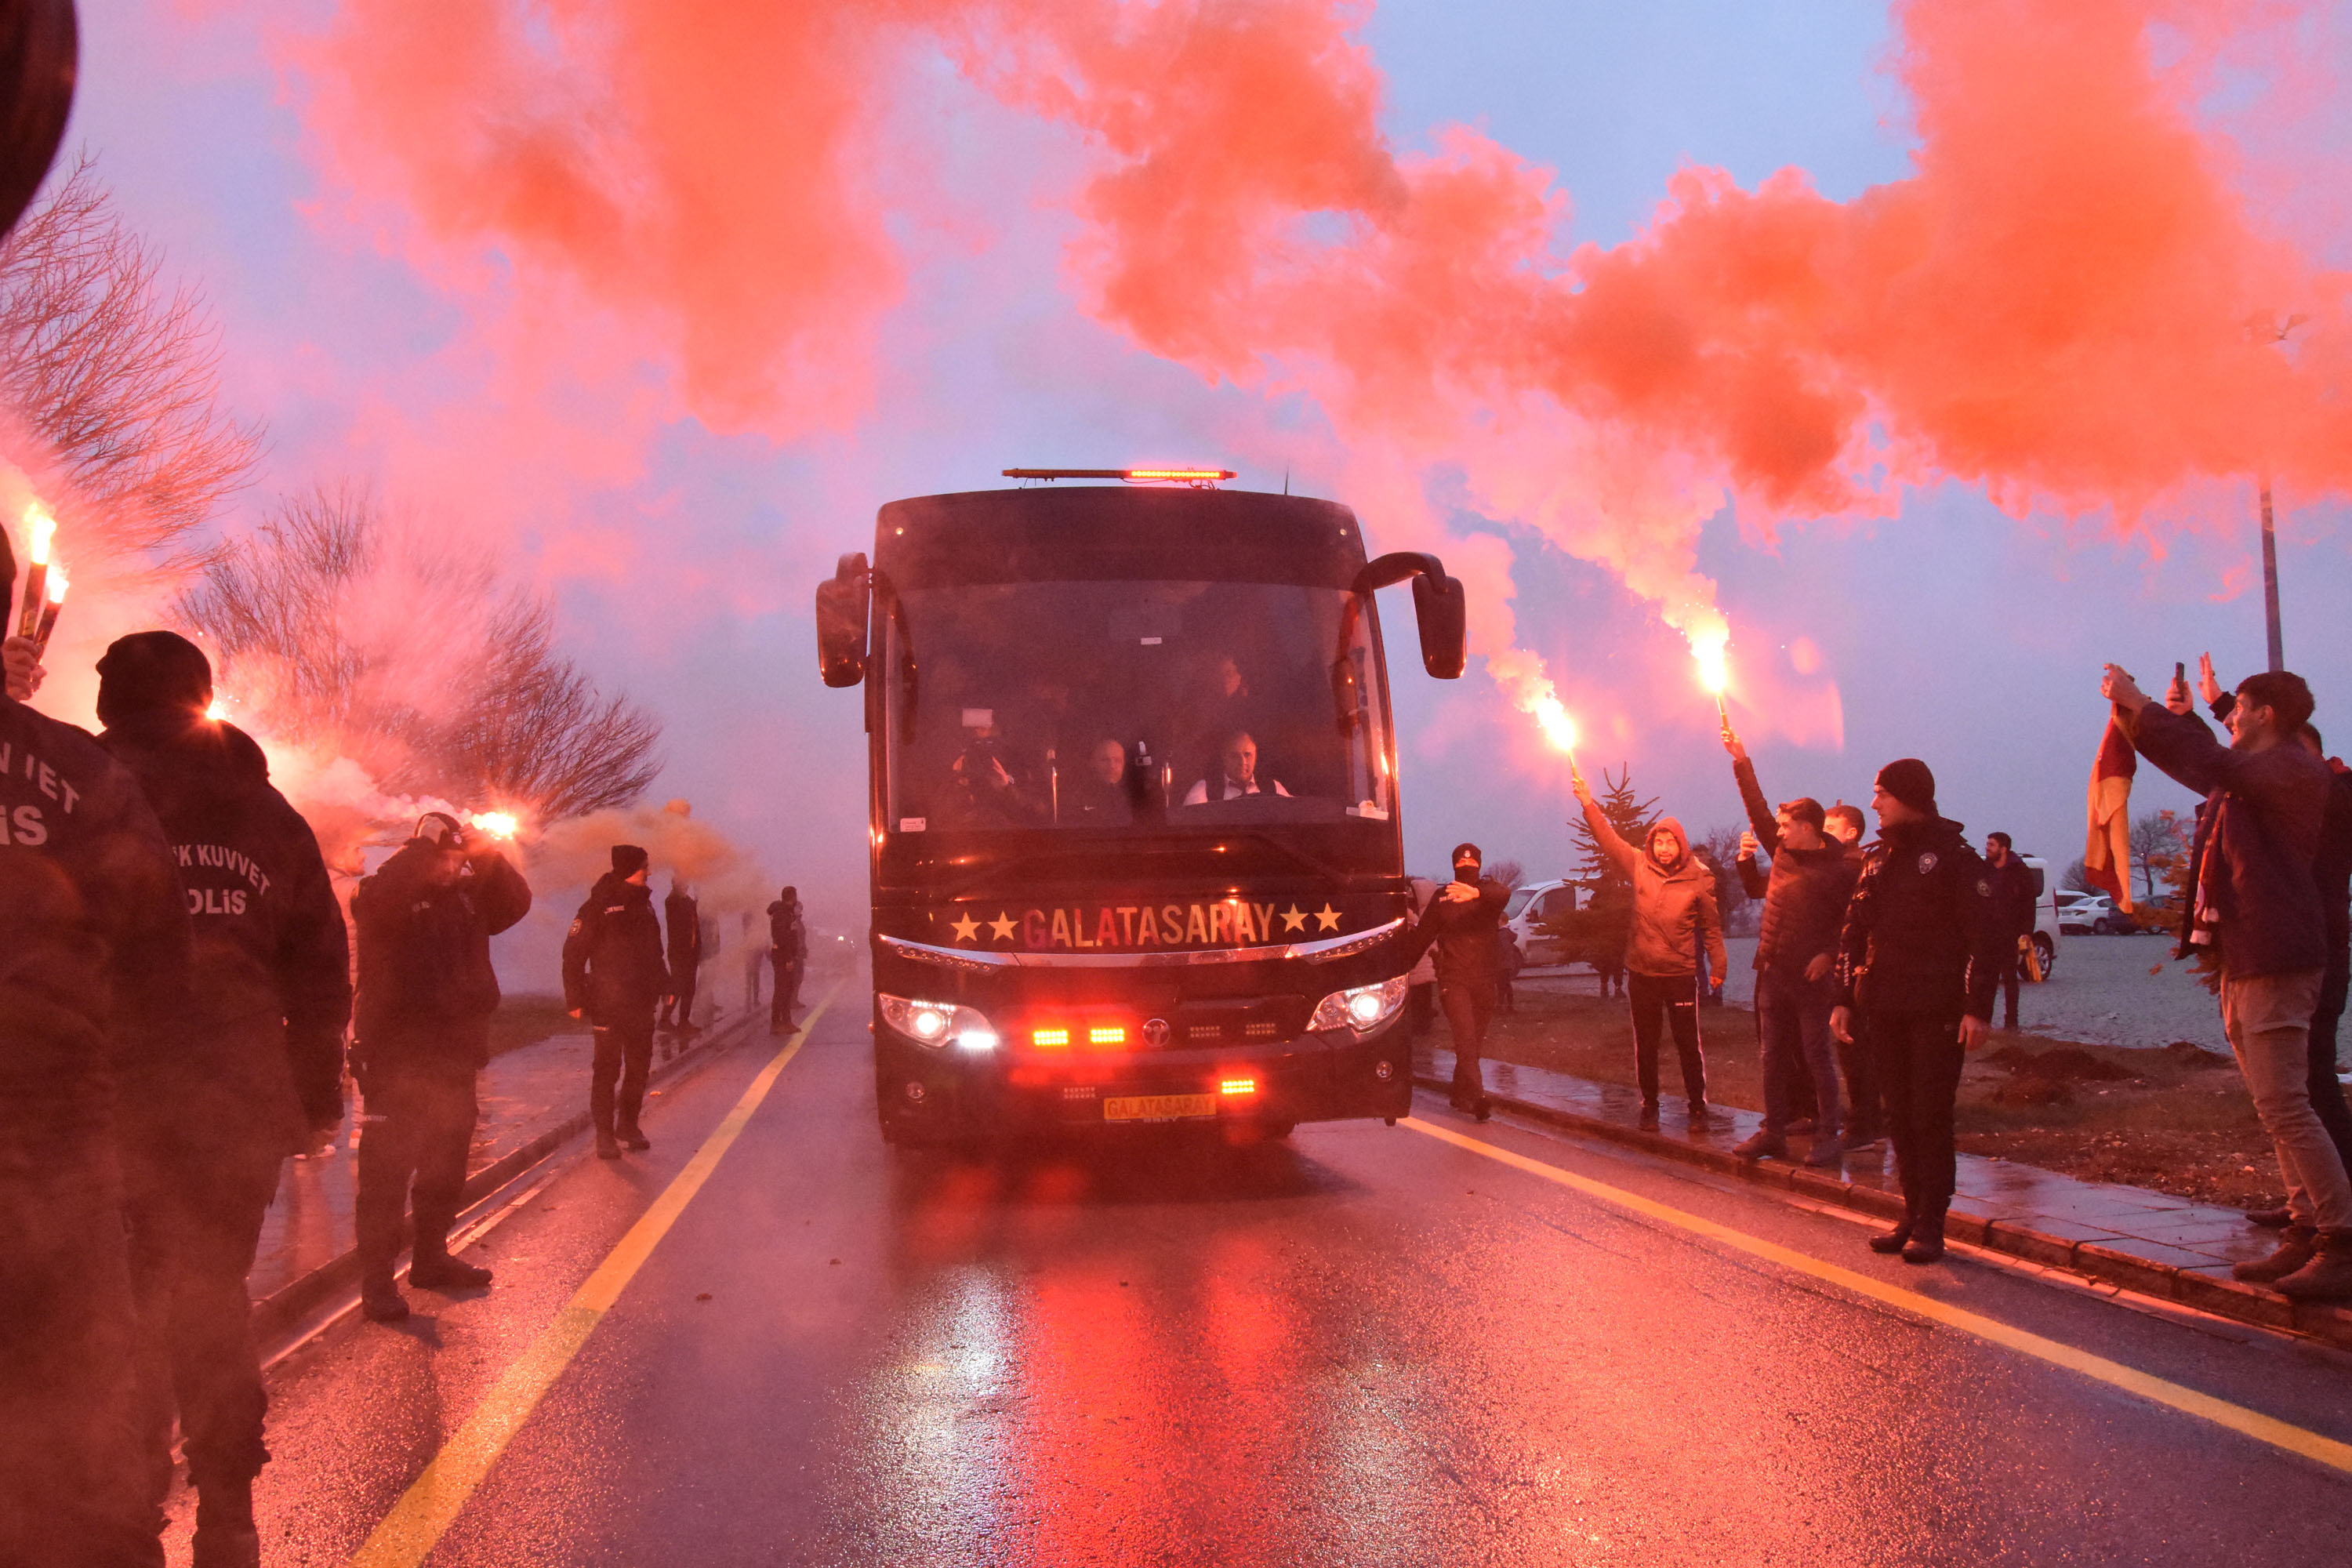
1049,1038
1239,1086
1107,1035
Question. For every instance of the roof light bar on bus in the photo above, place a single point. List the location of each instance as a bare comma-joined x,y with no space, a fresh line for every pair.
1128,476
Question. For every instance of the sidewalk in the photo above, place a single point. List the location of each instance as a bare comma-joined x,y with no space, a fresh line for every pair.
533,1100
2138,1240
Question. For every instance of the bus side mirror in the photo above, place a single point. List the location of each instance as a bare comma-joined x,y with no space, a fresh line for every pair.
1438,603
1442,609
842,603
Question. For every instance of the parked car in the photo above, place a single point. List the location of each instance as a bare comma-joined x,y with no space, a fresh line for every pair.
2048,925
1537,902
2095,913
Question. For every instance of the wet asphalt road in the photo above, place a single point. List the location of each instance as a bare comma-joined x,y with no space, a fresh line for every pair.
1361,1345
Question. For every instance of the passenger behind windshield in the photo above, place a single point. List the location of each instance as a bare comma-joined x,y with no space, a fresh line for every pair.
1235,776
1108,795
984,788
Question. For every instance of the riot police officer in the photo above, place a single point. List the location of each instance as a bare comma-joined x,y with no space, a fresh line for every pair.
254,1072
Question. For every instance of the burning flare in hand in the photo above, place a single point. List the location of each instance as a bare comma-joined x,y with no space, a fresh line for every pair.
1707,648
496,824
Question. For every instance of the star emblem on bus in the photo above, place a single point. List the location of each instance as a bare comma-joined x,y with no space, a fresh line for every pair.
1293,919
1003,925
966,927
1326,918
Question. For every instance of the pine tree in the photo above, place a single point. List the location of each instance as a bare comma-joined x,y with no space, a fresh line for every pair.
1632,816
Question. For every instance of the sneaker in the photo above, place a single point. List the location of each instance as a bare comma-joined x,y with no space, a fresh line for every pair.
1825,1153
443,1272
1484,1110
1892,1241
1701,1119
630,1137
1926,1243
2327,1277
1649,1122
2270,1219
381,1300
1761,1146
607,1147
2298,1244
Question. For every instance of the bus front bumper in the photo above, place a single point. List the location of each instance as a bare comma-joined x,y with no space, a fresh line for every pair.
924,1094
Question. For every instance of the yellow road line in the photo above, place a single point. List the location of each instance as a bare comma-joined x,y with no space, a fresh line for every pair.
2220,1412
425,1513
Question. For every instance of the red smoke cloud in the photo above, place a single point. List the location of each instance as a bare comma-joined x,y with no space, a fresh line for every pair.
2055,303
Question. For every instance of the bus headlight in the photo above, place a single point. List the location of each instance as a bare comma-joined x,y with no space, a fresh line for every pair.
1362,1008
937,1024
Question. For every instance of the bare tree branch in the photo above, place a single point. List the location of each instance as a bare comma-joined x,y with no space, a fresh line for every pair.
119,378
348,633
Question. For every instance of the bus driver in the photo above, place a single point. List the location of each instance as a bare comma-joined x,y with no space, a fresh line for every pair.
1237,778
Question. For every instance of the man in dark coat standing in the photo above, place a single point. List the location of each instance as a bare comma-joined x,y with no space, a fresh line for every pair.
682,921
1916,958
2252,907
426,992
95,930
614,977
788,950
2013,900
255,1070
1804,896
1460,925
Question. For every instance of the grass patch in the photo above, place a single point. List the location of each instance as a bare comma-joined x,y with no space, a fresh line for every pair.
526,1020
2176,1120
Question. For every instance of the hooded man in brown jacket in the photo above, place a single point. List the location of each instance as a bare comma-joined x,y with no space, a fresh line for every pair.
1673,911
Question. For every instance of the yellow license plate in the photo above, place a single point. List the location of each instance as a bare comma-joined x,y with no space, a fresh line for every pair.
1157,1107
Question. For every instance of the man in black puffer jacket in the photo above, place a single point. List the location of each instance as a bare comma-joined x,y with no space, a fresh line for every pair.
1460,924
426,992
93,970
614,976
254,1073
1917,955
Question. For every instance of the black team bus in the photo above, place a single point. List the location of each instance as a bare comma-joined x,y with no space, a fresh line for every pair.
1136,855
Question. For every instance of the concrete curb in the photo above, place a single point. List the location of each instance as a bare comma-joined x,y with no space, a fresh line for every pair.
2207,1292
286,1308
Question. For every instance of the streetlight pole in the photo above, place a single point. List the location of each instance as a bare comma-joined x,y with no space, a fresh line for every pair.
2270,581
2269,328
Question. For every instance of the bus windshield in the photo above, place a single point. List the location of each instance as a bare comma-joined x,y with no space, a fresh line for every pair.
1145,706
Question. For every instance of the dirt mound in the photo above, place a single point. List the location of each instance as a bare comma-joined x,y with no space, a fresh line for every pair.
2047,1078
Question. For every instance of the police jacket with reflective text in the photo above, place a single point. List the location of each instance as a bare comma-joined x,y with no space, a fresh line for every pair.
93,935
259,1054
612,965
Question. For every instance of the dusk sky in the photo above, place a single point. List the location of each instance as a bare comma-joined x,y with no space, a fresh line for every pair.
682,523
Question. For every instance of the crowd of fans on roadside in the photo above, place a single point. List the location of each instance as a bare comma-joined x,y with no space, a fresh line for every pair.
1878,965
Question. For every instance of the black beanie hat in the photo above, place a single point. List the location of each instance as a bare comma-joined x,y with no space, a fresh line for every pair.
150,670
1467,852
1910,781
628,860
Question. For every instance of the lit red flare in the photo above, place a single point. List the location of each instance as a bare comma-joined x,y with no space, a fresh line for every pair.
496,824
54,596
39,528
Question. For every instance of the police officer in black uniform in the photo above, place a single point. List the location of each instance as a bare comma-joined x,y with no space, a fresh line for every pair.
254,1073
682,917
1918,956
614,977
788,945
426,992
93,970
1461,922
